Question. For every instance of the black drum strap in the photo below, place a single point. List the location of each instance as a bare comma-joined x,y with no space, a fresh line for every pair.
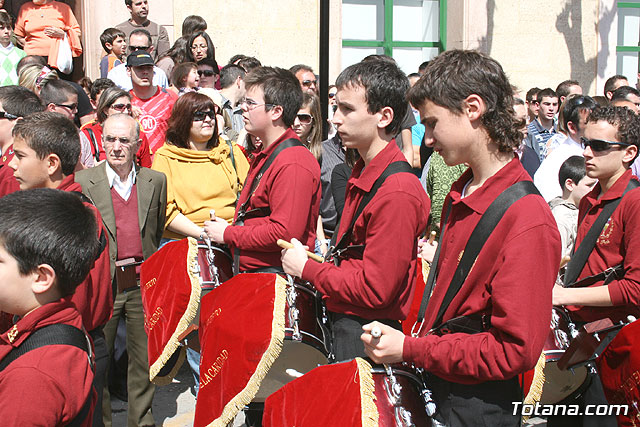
580,256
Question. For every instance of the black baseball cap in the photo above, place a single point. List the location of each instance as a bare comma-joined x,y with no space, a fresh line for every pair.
138,58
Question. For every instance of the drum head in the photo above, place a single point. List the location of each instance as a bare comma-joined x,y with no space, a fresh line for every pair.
558,385
295,358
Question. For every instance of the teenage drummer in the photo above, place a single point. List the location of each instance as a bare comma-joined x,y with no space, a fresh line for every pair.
465,101
375,264
281,196
611,139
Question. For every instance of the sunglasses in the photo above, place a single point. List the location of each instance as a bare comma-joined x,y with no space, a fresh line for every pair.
601,144
206,73
304,118
8,116
134,48
121,107
199,116
308,83
70,107
331,95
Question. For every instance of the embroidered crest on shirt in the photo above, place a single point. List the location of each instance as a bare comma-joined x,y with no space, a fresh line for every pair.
12,334
604,238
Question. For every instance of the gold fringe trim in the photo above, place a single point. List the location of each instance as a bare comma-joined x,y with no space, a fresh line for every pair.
370,415
425,270
537,384
190,313
243,398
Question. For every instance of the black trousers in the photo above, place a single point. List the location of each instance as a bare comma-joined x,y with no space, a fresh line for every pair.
346,330
486,404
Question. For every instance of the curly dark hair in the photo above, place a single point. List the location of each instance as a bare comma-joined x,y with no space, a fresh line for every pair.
456,74
179,124
623,119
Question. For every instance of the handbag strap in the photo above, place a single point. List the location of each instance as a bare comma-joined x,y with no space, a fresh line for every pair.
92,138
580,256
392,169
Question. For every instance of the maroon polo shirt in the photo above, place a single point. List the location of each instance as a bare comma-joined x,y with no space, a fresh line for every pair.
618,243
290,188
380,285
512,280
47,386
94,296
8,183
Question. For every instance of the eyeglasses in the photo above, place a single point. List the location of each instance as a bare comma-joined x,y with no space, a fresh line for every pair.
252,105
304,118
206,73
199,116
332,95
121,107
601,144
8,116
111,139
134,48
309,83
70,107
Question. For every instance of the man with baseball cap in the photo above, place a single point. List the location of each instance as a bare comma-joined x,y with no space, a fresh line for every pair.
154,101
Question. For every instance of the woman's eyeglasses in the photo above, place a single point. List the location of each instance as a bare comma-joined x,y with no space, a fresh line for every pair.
304,118
121,107
199,116
601,144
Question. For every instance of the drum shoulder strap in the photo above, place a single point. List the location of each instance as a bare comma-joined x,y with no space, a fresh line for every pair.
392,169
488,222
581,254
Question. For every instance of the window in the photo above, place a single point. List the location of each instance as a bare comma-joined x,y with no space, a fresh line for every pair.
627,43
410,31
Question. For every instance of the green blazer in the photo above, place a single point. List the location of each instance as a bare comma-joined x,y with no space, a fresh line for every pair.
152,201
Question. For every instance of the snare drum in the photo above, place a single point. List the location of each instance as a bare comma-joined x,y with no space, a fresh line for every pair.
401,397
307,338
558,384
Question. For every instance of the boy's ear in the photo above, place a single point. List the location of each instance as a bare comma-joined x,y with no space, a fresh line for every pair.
53,164
109,45
474,107
45,277
569,184
630,154
386,117
276,112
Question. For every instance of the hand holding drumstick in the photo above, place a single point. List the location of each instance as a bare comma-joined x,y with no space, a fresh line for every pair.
295,256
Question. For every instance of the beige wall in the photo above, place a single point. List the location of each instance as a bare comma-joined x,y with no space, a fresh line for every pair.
539,43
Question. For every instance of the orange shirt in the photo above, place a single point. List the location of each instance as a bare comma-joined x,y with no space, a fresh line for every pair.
33,19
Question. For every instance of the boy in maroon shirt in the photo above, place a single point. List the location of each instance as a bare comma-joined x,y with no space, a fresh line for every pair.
377,281
47,247
47,149
465,102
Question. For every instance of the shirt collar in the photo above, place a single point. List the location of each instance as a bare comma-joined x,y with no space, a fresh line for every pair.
112,176
616,190
289,133
364,178
6,49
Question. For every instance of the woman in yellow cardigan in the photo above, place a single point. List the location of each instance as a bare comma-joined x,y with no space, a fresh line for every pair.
203,171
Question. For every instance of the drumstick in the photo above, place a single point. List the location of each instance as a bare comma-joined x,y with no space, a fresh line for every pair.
286,245
376,332
565,260
432,237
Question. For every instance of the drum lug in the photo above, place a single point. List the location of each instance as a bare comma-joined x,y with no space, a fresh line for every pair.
429,404
403,417
393,388
294,313
211,258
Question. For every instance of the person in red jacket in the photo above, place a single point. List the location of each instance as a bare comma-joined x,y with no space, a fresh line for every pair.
47,147
466,104
47,246
377,281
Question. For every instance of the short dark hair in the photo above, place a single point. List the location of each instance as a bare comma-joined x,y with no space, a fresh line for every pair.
19,101
54,227
211,63
98,86
193,24
56,92
143,32
300,67
211,49
377,57
127,2
237,57
181,72
611,82
573,168
423,66
413,75
385,85
573,105
563,88
623,92
249,63
548,93
181,119
281,87
229,73
626,122
51,133
30,60
5,19
456,74
532,94
109,35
